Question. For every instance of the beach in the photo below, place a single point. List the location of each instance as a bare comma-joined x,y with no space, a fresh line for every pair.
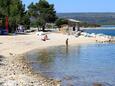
14,70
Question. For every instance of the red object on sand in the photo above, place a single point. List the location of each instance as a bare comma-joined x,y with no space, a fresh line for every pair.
7,23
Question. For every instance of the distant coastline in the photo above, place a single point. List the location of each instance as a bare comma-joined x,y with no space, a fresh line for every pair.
101,18
110,27
107,25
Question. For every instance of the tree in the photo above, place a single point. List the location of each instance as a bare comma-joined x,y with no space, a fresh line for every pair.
26,20
33,11
33,14
15,11
60,22
16,14
43,12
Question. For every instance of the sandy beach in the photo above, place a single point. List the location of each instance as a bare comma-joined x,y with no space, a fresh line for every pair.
14,70
19,44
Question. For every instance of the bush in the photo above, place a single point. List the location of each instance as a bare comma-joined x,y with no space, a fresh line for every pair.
60,22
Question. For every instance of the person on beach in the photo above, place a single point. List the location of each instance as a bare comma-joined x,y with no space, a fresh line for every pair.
45,38
74,28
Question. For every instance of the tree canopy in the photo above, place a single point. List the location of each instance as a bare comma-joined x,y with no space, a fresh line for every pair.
61,21
15,11
42,13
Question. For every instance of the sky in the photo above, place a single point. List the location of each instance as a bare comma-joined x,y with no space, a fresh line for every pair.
65,6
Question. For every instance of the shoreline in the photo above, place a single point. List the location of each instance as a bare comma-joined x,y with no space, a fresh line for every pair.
17,71
21,44
97,28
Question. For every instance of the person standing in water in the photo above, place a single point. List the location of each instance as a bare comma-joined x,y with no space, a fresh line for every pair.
67,42
67,46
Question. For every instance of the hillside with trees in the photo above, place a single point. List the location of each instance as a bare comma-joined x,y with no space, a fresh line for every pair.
95,18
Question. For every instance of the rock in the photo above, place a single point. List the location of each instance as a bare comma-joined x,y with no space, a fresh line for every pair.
11,53
1,56
1,83
0,59
97,84
10,83
1,63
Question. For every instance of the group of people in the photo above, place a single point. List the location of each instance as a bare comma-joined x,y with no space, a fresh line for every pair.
20,29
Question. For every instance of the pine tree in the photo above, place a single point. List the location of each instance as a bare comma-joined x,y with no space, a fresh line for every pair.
15,11
44,12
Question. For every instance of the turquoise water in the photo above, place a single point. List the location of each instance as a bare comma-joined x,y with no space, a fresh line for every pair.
106,29
80,65
110,32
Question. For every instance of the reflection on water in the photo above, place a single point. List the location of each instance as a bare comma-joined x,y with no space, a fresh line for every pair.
81,65
67,49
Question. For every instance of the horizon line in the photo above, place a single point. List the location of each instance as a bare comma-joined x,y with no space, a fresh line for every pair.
85,12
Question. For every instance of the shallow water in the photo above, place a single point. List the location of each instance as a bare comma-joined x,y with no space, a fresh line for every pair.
80,65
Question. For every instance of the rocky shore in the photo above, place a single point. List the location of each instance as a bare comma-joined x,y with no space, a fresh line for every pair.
15,71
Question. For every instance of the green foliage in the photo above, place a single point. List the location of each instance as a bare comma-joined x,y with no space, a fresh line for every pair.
4,7
43,12
61,21
49,26
15,11
26,20
33,12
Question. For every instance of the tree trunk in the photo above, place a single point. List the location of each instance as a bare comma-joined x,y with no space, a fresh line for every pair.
38,28
43,28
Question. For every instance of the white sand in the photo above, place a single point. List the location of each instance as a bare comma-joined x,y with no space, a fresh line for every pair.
22,43
15,71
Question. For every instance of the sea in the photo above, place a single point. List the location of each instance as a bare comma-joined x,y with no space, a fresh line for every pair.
104,29
79,65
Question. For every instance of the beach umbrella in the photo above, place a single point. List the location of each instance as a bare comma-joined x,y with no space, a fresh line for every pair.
6,22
